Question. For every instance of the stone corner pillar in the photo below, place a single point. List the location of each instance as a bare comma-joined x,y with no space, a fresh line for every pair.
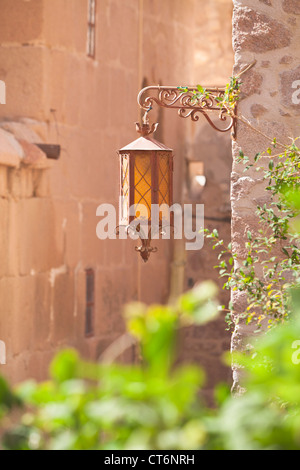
268,32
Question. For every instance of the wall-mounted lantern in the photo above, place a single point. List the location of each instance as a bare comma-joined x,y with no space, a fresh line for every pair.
146,179
147,165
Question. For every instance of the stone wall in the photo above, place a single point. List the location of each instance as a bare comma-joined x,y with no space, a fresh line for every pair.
56,94
89,107
266,31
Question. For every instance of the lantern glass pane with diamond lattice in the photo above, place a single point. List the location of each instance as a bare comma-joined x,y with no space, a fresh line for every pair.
146,177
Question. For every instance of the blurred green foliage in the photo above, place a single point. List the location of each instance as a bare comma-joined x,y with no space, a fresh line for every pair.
150,405
156,404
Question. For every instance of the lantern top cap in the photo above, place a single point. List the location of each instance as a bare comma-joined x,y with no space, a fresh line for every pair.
145,143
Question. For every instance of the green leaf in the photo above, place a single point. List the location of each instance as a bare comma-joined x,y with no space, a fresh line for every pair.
65,365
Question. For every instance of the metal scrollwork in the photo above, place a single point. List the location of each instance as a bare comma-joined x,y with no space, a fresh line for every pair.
186,104
146,234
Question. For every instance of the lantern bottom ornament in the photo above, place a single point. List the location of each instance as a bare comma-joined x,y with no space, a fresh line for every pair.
145,249
146,181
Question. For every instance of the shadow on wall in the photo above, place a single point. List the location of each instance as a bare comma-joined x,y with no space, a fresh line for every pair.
210,158
213,149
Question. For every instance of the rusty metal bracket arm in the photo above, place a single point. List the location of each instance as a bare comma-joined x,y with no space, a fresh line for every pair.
187,106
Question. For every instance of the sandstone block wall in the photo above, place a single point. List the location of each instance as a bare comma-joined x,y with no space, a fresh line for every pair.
266,31
48,220
88,106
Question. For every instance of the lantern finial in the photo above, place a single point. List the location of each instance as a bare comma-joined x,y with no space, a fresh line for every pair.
145,128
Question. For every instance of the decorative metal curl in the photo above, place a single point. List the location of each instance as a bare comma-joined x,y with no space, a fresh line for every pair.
186,104
145,249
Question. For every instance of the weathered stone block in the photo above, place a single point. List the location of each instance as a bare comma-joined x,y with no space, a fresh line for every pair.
252,83
25,21
12,241
291,6
157,290
21,131
28,80
42,321
92,249
60,68
66,25
3,181
80,306
41,183
11,152
257,32
9,237
286,59
258,110
63,308
26,189
23,315
112,291
40,236
7,309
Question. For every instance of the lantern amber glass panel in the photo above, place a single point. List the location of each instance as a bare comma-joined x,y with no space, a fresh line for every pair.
146,177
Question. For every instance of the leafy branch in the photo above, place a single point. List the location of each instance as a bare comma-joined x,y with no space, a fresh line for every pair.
271,265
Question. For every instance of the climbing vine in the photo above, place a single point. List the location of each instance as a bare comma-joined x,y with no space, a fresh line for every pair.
270,267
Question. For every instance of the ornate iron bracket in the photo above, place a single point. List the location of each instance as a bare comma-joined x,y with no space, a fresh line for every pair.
184,101
145,236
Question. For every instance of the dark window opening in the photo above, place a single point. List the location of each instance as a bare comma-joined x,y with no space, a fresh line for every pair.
91,34
90,302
